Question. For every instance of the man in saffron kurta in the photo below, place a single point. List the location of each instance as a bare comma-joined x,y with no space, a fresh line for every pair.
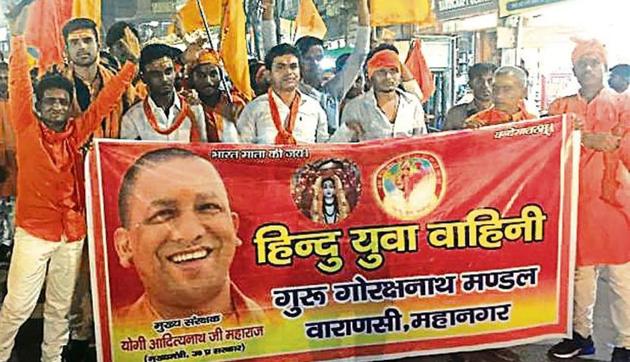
508,95
204,76
50,209
604,213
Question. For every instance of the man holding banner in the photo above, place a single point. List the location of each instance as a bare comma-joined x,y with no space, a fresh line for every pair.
179,233
51,211
508,95
604,213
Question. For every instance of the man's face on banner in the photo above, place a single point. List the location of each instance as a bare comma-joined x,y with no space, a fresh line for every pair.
181,235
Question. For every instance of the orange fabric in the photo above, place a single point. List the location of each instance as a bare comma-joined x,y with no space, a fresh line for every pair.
7,151
234,47
588,47
46,18
214,119
49,182
185,112
602,226
285,134
206,56
493,116
90,9
110,128
309,22
383,59
390,12
417,65
190,18
141,311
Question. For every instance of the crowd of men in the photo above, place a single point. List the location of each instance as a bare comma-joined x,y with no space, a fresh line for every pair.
157,92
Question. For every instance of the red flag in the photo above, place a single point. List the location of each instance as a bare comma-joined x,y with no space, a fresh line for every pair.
418,67
46,18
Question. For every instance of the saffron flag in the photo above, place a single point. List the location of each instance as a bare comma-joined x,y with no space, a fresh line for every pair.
191,19
390,12
309,22
377,250
417,65
234,47
46,18
90,9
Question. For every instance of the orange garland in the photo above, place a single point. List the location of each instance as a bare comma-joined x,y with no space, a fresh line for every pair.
194,131
285,135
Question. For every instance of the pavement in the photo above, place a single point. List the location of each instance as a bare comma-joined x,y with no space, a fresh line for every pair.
27,346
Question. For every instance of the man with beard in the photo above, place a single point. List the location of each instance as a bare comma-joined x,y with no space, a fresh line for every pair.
508,95
385,111
284,115
179,233
220,114
82,48
604,213
480,79
164,115
330,94
50,214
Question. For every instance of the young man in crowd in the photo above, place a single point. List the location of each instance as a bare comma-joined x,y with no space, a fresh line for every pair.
89,75
508,95
333,91
603,218
164,115
385,111
284,115
50,210
220,113
480,79
619,78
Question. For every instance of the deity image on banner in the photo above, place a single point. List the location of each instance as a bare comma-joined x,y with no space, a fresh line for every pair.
410,186
327,191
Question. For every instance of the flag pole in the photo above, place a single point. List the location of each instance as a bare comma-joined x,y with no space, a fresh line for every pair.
207,28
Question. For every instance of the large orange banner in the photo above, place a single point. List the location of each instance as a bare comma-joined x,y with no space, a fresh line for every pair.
400,247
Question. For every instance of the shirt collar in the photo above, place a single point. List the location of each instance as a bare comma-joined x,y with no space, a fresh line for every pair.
281,103
177,105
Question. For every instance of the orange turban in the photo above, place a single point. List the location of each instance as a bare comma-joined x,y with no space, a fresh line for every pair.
591,47
206,56
383,59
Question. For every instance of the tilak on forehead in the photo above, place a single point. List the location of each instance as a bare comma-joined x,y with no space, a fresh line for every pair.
80,34
163,62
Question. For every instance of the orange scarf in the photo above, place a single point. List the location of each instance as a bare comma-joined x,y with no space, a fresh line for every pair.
185,112
285,135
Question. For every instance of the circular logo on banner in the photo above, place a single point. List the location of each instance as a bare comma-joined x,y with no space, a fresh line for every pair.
410,186
326,191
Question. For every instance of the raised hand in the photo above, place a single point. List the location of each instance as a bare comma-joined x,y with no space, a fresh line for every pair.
132,45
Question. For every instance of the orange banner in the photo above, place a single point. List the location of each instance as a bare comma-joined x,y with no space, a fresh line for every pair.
398,247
